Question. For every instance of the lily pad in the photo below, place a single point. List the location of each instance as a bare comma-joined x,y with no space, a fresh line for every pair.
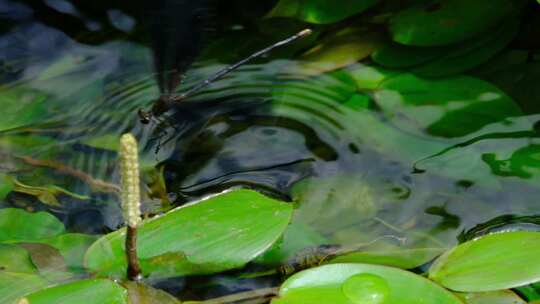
19,225
219,233
493,262
361,284
320,11
89,291
448,21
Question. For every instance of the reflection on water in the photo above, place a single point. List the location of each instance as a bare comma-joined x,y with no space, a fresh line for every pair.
363,151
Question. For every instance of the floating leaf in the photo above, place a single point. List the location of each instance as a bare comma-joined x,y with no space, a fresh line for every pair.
216,234
320,11
89,291
492,297
493,262
14,285
448,21
14,258
361,284
17,224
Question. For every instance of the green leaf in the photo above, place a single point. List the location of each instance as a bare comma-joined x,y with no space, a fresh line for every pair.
344,48
14,285
394,55
361,284
523,163
448,21
449,107
496,261
19,225
98,291
465,57
219,233
492,297
320,11
14,258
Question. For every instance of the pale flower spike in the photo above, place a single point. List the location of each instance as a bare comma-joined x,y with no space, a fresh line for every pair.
129,172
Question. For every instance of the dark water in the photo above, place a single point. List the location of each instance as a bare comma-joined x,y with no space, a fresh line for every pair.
361,164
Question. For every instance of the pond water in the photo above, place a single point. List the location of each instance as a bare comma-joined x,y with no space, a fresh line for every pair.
371,143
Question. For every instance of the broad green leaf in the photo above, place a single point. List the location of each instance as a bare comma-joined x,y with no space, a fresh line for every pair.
19,225
143,294
361,284
90,291
492,297
449,107
14,258
219,233
496,261
320,11
448,21
14,285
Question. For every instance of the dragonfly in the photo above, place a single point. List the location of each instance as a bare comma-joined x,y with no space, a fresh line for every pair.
166,101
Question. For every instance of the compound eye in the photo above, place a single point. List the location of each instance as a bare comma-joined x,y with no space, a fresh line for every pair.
144,117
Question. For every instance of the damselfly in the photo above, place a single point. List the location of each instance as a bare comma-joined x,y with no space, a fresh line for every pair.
165,102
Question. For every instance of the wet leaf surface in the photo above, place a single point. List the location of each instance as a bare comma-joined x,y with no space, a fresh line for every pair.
220,233
360,283
496,261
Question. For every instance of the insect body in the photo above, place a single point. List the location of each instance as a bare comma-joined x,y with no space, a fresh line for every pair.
165,102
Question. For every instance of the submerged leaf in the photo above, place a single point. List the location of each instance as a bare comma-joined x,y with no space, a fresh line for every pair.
448,21
496,261
449,107
320,11
219,233
361,284
143,294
